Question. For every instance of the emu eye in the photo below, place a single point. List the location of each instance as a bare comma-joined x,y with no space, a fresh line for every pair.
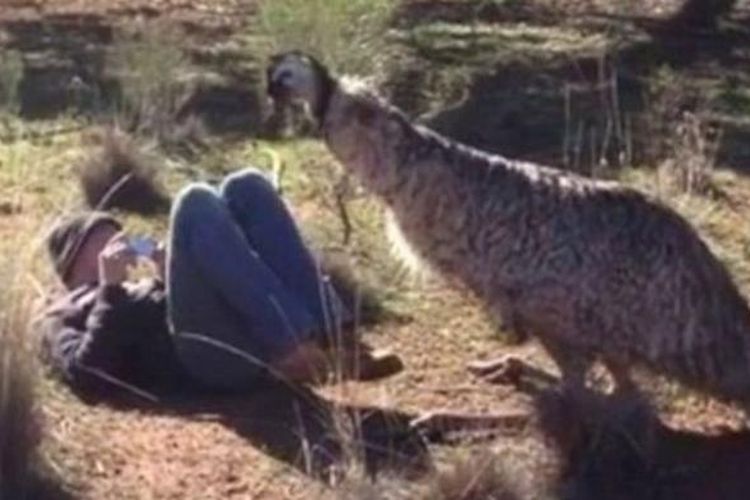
278,78
279,84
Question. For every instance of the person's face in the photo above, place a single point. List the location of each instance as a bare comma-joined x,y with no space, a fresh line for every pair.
85,266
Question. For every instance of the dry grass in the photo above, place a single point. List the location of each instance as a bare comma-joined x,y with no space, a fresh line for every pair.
479,476
150,60
349,35
22,471
19,432
118,175
694,145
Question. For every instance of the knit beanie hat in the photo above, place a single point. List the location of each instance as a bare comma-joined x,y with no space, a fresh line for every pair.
68,235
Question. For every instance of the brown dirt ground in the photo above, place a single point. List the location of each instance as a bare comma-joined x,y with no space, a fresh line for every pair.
126,454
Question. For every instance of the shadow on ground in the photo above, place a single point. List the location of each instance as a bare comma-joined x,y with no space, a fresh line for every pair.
43,488
298,427
606,446
615,446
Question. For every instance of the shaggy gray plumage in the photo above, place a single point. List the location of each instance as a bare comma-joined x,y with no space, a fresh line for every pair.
592,269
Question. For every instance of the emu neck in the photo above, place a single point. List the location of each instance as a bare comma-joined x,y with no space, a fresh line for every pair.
327,88
417,173
371,139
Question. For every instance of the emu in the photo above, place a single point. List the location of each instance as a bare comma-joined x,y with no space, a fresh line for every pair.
593,269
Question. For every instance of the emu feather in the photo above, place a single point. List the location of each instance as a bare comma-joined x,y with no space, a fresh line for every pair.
592,269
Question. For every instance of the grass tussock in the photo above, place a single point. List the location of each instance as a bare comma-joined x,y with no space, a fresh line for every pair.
117,174
19,434
19,427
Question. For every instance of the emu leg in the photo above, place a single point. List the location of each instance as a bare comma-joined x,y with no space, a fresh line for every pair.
510,370
504,370
572,361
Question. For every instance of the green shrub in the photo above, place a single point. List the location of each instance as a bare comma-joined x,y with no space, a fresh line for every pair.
153,68
348,35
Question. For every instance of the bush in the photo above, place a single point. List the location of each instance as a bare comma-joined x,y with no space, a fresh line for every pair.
348,35
153,68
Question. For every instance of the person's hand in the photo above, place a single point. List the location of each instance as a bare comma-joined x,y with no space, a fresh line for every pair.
114,261
159,257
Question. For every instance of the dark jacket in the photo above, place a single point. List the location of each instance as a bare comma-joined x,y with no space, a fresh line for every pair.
97,338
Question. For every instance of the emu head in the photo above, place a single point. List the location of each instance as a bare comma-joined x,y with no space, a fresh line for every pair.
299,77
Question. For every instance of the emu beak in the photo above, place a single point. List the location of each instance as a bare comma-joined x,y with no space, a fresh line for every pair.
276,86
274,89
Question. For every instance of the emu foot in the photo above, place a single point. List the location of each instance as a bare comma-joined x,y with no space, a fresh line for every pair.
506,370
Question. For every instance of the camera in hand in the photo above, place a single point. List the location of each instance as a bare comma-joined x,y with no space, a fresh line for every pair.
142,246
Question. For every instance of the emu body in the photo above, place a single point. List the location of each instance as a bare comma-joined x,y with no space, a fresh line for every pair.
590,268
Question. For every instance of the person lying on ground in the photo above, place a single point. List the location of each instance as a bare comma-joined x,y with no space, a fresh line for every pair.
236,297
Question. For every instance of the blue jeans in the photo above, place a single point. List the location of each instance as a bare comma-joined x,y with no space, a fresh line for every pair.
243,290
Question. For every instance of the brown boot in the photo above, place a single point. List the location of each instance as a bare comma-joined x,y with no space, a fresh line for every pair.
307,363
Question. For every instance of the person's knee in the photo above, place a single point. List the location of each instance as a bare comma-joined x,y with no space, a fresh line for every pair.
195,198
248,184
193,205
